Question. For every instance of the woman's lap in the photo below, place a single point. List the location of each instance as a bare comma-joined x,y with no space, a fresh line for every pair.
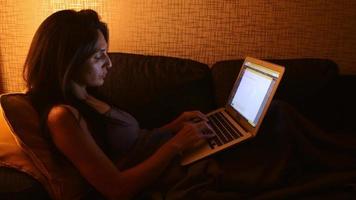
282,152
287,150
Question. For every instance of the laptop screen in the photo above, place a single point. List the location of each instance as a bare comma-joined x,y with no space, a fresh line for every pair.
252,89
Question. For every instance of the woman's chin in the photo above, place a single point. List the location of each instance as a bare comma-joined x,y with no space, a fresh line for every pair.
97,84
100,84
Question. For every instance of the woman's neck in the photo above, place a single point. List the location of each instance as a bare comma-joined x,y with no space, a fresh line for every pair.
81,93
98,105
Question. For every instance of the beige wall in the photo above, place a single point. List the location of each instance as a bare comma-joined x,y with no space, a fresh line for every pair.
203,30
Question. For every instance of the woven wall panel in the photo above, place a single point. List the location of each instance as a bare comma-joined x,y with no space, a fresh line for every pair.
211,30
203,30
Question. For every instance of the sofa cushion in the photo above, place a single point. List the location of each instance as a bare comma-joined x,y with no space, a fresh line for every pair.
303,79
155,89
25,148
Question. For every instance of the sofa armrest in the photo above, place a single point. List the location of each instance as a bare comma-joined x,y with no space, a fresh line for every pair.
334,108
18,185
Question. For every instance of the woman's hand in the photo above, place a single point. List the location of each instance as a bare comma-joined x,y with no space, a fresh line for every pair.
186,137
178,123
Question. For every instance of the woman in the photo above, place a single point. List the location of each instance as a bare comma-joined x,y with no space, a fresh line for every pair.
68,54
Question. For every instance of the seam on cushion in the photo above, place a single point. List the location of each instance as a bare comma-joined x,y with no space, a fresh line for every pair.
14,166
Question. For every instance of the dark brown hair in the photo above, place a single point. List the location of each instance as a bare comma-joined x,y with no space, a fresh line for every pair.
59,49
61,45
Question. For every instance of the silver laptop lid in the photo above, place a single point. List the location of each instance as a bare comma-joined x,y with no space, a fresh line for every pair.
252,92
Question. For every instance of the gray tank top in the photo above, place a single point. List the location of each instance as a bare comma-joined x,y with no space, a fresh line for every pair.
122,130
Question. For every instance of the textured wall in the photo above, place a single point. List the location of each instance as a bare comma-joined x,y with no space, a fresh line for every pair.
203,30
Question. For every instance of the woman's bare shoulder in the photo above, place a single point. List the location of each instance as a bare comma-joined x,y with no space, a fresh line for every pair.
64,117
63,112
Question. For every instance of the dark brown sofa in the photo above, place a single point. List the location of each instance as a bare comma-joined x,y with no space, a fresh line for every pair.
155,89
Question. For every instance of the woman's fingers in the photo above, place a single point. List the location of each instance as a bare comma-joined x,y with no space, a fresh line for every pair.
195,116
204,129
189,135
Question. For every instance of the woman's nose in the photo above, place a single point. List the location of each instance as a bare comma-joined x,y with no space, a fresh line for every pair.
108,61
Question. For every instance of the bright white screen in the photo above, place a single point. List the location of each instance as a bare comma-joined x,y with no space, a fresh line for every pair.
251,93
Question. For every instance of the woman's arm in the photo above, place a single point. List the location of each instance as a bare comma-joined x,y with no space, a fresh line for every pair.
80,148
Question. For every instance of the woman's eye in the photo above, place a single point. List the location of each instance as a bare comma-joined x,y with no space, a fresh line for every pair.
98,57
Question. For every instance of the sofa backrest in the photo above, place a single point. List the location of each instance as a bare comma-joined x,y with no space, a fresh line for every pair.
303,79
156,89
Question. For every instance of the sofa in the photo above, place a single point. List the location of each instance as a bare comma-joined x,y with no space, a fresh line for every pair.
156,89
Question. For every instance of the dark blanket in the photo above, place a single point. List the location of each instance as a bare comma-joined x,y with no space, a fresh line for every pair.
290,158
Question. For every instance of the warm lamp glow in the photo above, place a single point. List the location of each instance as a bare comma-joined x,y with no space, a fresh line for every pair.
56,5
206,32
19,21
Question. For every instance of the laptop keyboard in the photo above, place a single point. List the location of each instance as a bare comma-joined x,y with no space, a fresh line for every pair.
225,131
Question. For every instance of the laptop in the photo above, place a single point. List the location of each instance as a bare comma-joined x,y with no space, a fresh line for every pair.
244,111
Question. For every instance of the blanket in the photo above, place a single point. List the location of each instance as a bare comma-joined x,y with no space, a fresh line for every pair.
290,158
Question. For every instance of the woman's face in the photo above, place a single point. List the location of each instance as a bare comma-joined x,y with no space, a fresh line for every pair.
96,67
